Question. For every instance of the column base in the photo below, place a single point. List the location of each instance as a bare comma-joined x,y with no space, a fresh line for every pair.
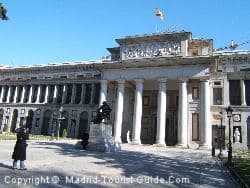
204,146
182,146
118,140
159,144
135,142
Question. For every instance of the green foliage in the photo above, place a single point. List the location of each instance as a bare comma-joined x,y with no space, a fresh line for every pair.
3,12
65,133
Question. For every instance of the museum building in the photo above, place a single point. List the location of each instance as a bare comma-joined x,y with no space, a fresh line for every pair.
164,89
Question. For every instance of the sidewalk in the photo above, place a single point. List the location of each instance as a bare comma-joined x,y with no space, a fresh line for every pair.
134,166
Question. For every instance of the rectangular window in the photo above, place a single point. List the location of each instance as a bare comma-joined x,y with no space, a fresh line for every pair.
234,92
247,92
195,127
195,93
217,96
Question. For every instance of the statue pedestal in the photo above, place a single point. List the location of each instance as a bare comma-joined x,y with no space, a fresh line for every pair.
100,138
237,146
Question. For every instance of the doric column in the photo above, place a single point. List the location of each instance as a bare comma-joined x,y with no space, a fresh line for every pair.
24,93
47,94
2,93
243,93
64,95
16,94
55,96
137,112
73,94
31,93
38,94
92,94
206,129
161,113
182,114
119,111
103,92
82,94
9,93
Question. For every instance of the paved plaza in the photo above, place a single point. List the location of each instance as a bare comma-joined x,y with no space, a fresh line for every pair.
58,164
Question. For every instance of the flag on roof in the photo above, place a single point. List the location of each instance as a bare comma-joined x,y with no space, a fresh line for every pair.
159,13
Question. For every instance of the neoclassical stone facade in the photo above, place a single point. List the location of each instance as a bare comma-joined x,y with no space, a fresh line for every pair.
164,89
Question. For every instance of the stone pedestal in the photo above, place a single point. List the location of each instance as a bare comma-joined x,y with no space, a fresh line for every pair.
237,147
100,138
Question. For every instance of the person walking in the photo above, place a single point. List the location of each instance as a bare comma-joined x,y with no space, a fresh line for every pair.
19,153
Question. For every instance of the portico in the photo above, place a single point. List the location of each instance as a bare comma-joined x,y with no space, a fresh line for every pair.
156,109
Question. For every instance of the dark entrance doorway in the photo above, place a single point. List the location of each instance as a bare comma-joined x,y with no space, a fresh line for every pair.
46,120
248,132
83,124
171,128
29,120
218,134
14,121
64,123
1,119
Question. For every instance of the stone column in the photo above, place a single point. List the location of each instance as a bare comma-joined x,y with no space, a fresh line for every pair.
161,113
92,94
103,92
16,94
119,111
73,94
136,134
24,93
55,96
46,100
243,93
82,94
182,114
206,129
2,93
38,94
64,95
9,94
31,93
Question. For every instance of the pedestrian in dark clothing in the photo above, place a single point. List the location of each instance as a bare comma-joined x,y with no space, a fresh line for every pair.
85,139
19,153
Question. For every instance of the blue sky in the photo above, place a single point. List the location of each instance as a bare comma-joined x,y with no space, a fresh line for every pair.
54,31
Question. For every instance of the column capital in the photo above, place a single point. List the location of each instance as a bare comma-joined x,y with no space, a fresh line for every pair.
162,80
104,81
121,81
182,80
139,80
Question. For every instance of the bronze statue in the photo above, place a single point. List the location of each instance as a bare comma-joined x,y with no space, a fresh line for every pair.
103,112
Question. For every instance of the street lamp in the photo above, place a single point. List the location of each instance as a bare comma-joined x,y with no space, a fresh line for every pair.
221,118
60,118
229,111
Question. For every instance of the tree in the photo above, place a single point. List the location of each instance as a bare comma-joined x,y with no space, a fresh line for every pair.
3,12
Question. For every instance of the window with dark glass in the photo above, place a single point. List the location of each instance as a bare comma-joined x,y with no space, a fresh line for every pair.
195,126
234,92
217,96
247,91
